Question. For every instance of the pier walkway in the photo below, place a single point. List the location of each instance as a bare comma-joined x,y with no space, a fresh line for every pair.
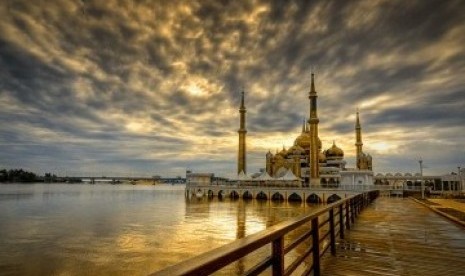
397,236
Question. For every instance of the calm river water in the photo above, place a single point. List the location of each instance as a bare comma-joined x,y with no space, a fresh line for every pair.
102,229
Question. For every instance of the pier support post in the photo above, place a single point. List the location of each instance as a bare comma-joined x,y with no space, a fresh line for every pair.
316,246
347,215
278,256
352,211
332,233
341,222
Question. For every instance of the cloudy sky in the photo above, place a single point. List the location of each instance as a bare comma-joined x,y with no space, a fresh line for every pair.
128,87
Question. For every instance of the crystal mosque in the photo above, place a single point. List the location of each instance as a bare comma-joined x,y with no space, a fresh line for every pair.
306,164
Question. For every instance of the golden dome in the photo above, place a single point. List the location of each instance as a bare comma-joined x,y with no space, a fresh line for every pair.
334,151
321,157
296,150
304,140
283,152
278,158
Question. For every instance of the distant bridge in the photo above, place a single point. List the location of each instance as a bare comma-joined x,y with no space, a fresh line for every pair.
120,179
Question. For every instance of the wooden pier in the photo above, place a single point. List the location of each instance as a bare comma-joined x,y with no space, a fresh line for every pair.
392,236
396,236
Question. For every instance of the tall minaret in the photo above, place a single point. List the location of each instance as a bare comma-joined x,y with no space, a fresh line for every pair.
241,157
358,142
314,151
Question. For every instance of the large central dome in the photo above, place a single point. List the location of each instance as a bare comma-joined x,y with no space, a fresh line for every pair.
304,140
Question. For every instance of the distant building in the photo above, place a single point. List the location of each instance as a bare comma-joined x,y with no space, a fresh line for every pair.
199,179
413,181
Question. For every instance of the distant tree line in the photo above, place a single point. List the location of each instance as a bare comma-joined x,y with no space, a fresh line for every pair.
17,175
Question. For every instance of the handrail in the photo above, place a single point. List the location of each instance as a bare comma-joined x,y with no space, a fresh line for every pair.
345,209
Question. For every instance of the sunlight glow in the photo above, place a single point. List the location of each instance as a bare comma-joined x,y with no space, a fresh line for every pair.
194,90
383,147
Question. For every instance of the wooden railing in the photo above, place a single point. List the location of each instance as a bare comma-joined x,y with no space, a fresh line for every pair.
326,223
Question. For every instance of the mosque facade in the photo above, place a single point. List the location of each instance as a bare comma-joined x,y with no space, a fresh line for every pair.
306,161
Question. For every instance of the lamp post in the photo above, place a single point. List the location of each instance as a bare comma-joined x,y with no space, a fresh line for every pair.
460,179
421,181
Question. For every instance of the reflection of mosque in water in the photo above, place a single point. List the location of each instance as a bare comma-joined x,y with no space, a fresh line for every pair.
246,217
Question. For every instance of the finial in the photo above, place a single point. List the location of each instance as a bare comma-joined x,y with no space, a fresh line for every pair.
304,126
334,142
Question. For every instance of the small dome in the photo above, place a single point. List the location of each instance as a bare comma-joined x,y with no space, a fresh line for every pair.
334,151
278,157
389,174
322,157
296,150
283,152
408,174
380,174
398,174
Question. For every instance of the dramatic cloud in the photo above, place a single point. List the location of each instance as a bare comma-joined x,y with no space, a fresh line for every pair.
128,87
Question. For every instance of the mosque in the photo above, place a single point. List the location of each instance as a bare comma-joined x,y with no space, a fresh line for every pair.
306,164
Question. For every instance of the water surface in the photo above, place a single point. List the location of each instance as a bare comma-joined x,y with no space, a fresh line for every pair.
75,229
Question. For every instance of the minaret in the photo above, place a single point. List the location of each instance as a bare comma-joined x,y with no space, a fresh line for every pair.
313,121
358,137
241,157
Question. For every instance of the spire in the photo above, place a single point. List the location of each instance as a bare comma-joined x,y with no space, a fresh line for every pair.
242,99
313,124
358,141
312,88
312,96
304,126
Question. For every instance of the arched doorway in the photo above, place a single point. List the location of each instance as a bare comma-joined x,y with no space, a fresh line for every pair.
313,198
247,195
294,197
277,197
333,198
261,196
233,195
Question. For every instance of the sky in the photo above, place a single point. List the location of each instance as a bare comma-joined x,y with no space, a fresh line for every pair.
141,88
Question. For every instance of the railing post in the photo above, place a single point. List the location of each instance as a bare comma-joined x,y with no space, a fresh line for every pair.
278,256
332,232
316,246
352,211
347,214
341,222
